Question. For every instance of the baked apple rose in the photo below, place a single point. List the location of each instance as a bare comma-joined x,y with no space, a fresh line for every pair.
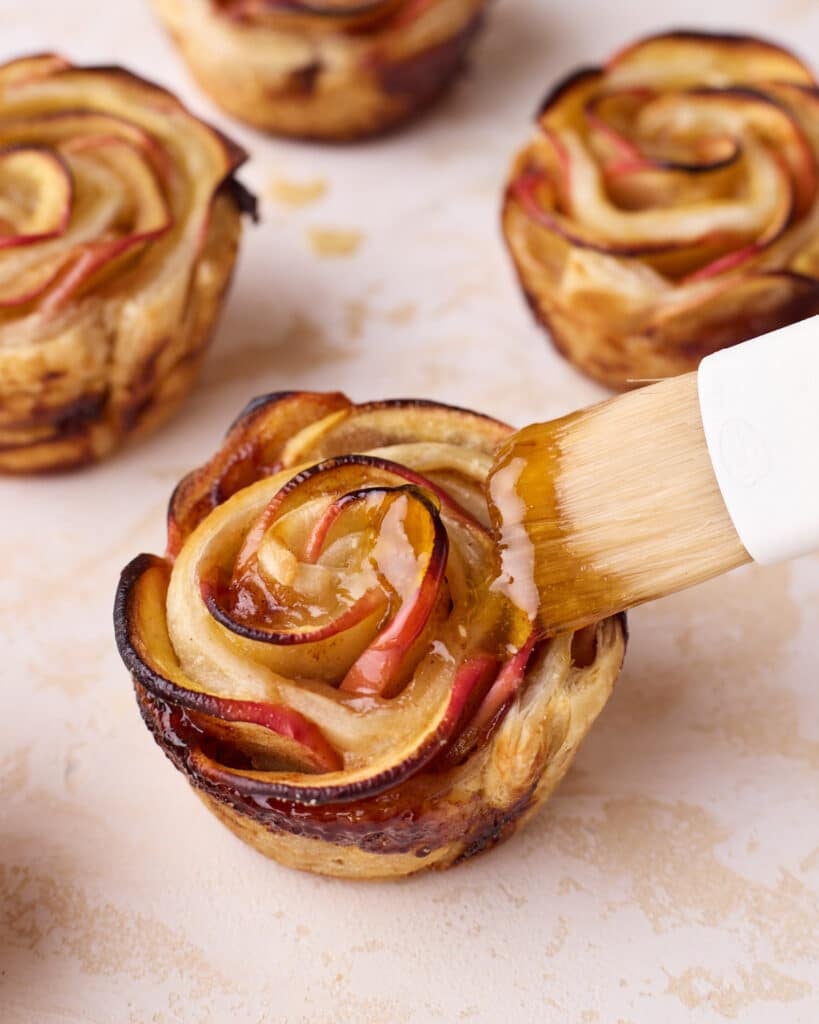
119,223
323,69
667,204
323,650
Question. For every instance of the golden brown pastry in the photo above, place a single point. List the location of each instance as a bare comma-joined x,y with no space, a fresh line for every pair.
119,222
667,204
323,69
323,653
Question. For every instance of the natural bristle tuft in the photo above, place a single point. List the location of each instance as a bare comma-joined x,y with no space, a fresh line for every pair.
610,507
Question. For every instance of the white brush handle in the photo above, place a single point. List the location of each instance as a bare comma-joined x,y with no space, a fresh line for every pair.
760,410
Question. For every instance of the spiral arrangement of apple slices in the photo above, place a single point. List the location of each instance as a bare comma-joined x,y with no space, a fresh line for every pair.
325,650
324,69
667,205
118,234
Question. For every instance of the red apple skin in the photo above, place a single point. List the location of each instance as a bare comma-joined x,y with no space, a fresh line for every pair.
278,719
72,410
352,616
60,165
377,670
409,811
744,287
193,704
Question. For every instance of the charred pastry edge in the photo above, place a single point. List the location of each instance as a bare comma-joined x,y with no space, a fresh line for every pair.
603,371
404,92
420,831
71,431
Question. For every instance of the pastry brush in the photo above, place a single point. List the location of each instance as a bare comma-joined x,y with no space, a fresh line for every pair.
664,487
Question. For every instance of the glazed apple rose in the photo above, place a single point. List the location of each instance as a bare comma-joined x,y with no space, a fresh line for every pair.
325,69
323,651
667,205
119,222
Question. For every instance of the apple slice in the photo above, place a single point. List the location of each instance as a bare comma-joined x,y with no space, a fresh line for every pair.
269,731
491,709
371,602
36,191
381,424
410,521
251,450
408,551
686,59
408,756
145,647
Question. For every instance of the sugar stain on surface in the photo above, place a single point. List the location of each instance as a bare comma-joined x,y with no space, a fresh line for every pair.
53,917
359,313
699,987
334,242
667,854
707,682
289,192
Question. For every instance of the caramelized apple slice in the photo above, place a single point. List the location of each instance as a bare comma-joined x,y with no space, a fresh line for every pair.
119,223
278,732
653,186
39,181
325,653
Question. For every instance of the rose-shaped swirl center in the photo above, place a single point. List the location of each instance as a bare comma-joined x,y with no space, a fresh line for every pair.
692,162
95,167
355,596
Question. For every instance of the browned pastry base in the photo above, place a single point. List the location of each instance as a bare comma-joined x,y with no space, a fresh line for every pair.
288,79
475,809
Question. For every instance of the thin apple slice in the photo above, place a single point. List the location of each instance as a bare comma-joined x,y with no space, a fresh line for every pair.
372,602
739,114
252,449
312,15
407,757
40,184
28,69
67,131
761,214
378,424
488,714
145,646
413,524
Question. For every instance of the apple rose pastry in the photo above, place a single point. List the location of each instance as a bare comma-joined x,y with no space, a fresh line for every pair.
119,222
323,650
667,204
323,69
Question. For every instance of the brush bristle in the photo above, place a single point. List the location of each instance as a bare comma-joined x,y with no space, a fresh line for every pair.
611,507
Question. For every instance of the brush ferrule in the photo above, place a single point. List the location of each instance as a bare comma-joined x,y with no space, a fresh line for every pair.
760,413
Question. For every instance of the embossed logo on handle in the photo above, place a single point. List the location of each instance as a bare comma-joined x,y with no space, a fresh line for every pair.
743,452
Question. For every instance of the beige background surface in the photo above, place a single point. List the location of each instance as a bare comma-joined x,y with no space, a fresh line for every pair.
676,875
